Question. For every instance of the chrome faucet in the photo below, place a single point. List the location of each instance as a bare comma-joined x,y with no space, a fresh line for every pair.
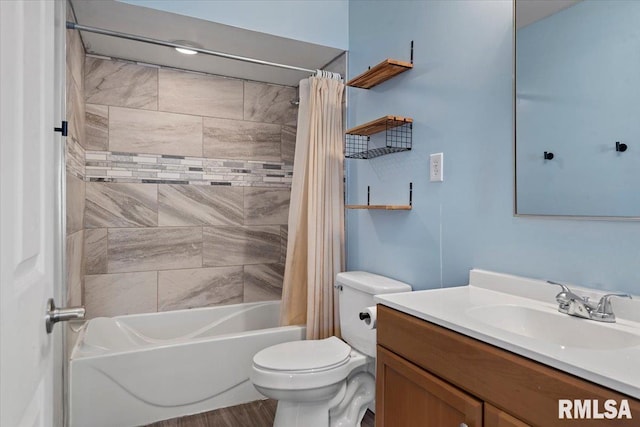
604,311
575,305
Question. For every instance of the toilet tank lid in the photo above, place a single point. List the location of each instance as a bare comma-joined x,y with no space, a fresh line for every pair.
370,283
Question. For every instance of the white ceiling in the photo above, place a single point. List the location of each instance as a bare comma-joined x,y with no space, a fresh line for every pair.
530,11
142,21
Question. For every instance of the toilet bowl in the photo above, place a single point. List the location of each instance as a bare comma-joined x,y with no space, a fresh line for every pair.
328,382
308,378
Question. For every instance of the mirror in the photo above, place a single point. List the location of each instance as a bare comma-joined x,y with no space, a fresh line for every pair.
577,101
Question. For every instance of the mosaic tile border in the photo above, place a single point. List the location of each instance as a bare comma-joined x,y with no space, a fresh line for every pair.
109,166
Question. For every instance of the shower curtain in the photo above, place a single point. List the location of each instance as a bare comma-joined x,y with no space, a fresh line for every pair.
315,246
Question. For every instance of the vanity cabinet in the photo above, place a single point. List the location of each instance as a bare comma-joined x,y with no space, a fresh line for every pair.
412,396
428,375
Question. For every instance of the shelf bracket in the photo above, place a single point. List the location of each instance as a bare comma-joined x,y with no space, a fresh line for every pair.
411,189
410,194
412,52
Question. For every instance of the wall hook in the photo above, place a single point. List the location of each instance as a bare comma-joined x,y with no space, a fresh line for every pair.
63,129
548,155
621,148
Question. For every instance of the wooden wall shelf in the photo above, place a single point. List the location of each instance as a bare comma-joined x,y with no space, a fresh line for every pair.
398,135
380,73
384,207
381,207
379,125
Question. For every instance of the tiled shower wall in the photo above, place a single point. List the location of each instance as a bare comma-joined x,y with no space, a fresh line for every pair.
75,185
187,193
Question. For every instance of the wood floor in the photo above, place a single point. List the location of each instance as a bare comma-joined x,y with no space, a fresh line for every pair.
255,414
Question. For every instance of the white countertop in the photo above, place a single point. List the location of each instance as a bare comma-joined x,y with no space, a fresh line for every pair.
453,308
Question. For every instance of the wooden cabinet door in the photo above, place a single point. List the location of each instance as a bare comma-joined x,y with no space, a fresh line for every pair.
494,417
408,396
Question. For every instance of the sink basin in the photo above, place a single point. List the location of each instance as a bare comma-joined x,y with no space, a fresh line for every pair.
555,327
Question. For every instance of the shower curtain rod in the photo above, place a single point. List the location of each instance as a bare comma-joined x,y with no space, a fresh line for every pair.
74,26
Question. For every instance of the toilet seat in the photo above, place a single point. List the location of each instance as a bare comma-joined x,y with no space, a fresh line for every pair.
304,356
302,365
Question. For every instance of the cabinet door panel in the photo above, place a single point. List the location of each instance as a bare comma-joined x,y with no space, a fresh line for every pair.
408,396
494,417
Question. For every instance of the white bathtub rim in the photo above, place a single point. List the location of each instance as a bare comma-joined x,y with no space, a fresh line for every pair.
152,343
108,352
192,310
143,340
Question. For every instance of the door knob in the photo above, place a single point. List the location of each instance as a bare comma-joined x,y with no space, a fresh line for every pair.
55,314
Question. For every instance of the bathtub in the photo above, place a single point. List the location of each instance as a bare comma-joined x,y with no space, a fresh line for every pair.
137,369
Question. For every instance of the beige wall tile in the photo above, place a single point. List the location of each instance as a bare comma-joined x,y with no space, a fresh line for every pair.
97,127
199,205
74,157
118,294
121,205
284,237
224,246
201,287
270,103
288,144
75,189
236,139
120,84
266,206
74,270
75,58
162,248
139,131
75,86
263,282
95,250
202,95
75,113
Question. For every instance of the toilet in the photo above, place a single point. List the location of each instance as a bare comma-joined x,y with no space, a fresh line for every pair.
329,382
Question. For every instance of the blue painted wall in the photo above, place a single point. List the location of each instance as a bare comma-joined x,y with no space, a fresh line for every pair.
314,21
577,92
460,96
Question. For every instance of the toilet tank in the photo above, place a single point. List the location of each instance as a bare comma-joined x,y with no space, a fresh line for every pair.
357,289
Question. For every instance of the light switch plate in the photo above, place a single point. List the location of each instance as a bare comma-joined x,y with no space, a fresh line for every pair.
436,173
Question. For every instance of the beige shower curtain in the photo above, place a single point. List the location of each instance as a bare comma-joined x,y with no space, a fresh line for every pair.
315,250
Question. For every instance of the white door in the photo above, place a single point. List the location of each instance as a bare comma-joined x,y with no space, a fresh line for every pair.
29,206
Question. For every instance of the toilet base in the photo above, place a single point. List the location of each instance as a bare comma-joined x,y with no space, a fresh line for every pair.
311,407
346,409
360,392
309,414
